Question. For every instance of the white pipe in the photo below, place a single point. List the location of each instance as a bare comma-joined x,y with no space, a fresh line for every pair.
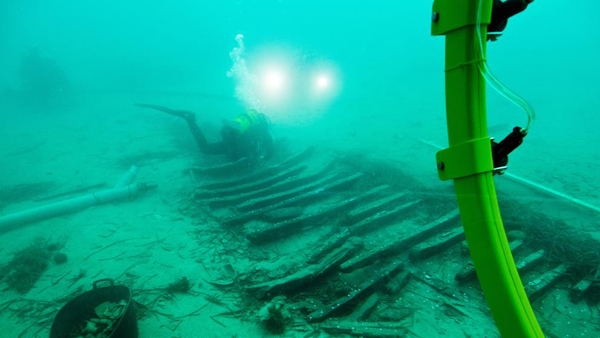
128,177
552,192
11,221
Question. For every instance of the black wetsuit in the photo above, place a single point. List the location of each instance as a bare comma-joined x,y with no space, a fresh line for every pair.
255,142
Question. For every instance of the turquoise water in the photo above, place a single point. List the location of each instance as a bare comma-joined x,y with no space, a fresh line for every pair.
361,82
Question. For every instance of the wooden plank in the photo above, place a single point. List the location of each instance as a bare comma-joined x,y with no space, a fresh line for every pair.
310,196
437,245
249,187
370,224
365,309
308,274
526,264
285,185
443,287
398,282
536,288
297,158
331,244
271,232
372,208
381,219
272,170
579,290
344,304
393,247
271,199
231,168
283,214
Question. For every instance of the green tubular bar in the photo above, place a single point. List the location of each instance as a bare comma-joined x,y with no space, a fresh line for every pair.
474,185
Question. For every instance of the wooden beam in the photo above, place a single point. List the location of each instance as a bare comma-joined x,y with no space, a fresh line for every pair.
267,232
381,219
309,196
526,264
364,310
292,160
536,288
307,274
288,184
273,198
373,280
249,187
437,245
231,168
373,208
398,282
579,290
411,238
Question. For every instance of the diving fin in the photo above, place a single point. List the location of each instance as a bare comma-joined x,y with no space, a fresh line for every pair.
185,114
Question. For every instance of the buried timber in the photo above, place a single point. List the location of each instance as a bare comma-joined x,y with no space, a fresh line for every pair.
315,243
311,243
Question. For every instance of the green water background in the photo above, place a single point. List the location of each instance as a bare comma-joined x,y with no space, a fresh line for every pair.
388,69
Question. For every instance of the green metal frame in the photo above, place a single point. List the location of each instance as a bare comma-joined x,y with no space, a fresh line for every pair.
468,161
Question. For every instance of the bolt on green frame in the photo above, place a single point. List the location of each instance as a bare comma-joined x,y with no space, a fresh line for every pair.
468,161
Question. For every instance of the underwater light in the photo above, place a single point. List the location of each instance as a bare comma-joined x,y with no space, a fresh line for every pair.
324,85
322,82
274,81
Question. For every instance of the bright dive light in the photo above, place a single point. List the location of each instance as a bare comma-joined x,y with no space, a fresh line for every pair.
274,81
322,82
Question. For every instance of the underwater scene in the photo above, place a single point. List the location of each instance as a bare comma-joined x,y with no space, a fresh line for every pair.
268,168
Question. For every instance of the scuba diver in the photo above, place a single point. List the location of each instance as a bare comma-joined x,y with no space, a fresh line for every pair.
43,80
248,135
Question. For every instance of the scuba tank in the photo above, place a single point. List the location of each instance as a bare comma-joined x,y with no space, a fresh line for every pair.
250,134
243,122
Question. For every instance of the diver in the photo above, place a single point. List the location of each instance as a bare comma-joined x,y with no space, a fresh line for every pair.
43,80
248,135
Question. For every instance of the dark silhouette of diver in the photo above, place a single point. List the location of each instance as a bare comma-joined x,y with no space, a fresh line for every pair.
248,135
42,78
43,82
